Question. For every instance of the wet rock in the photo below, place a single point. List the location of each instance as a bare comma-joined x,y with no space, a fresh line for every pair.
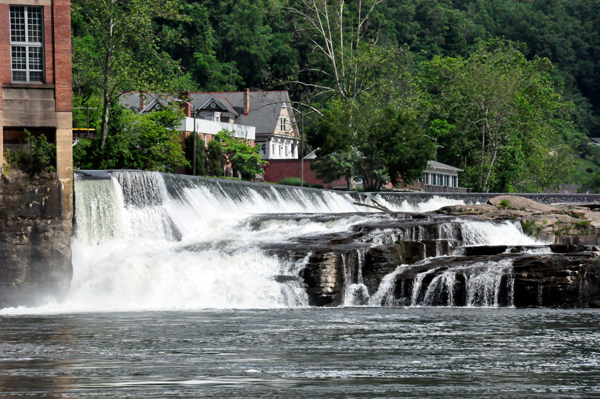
324,279
564,281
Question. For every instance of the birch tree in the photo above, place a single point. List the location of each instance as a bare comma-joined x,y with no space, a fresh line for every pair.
344,48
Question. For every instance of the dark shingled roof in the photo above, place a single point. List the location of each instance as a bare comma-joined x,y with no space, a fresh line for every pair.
265,107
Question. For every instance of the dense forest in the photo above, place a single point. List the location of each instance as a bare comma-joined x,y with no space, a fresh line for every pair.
508,90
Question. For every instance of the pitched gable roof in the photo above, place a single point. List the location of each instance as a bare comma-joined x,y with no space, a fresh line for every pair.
157,103
439,165
265,107
221,102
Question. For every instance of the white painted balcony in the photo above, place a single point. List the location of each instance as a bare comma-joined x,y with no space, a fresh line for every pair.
211,127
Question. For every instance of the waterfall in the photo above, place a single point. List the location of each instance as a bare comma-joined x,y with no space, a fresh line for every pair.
355,294
152,241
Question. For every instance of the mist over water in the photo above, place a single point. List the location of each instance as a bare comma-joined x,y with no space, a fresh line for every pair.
148,241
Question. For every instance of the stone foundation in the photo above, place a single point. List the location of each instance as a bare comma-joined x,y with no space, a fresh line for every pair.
35,232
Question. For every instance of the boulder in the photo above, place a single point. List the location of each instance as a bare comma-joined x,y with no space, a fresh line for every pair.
519,203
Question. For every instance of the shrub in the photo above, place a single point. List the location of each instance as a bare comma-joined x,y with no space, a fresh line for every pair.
295,181
584,223
504,204
290,181
528,226
37,156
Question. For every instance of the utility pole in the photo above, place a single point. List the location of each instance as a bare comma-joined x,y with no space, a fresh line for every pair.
302,153
194,133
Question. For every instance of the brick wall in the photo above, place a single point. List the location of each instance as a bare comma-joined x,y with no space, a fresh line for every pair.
279,169
4,46
62,58
48,46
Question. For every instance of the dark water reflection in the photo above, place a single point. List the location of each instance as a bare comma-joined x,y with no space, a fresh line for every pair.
382,352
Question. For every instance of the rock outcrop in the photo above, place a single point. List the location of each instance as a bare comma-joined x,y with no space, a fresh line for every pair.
561,224
35,249
421,259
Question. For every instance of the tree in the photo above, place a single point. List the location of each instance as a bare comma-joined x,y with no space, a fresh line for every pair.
155,142
347,59
146,142
214,161
200,155
335,166
509,118
120,45
244,159
382,143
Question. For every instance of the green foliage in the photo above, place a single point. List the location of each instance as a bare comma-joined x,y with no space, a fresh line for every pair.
530,227
214,160
504,204
290,181
145,142
37,155
513,129
583,224
200,155
245,160
116,50
335,166
390,82
295,181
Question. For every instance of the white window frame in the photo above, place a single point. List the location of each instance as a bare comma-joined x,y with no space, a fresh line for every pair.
27,45
283,124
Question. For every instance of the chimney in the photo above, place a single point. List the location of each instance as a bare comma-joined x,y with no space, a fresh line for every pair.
142,104
247,102
185,104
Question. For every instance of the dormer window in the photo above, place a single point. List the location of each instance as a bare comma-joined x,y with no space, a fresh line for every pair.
26,44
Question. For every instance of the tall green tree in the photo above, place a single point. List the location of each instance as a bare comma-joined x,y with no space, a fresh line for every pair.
117,44
510,122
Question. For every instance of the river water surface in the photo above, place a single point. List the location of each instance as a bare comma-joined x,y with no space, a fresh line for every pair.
304,353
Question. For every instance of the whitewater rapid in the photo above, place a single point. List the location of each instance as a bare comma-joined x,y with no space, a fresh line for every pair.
149,241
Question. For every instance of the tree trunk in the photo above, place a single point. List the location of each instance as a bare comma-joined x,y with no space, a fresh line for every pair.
107,72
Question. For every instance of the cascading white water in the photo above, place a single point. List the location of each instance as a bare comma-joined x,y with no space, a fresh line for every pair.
146,240
485,233
482,284
355,294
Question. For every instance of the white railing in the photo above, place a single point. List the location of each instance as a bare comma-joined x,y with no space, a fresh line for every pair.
211,127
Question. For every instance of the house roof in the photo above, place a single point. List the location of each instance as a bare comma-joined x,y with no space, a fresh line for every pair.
221,102
265,107
442,166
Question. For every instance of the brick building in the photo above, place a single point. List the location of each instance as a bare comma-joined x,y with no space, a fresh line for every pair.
35,80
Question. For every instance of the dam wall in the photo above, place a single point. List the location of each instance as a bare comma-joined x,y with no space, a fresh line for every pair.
35,253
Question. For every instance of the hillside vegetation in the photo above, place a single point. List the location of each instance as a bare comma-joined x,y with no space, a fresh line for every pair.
508,90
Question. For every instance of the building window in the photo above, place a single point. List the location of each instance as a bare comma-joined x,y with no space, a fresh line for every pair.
283,124
454,181
446,180
26,44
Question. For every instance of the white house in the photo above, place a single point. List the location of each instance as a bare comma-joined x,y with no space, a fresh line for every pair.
440,177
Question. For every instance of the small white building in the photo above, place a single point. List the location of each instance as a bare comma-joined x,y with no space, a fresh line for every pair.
440,177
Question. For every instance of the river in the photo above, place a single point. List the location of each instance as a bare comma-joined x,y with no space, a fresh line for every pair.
304,353
189,287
